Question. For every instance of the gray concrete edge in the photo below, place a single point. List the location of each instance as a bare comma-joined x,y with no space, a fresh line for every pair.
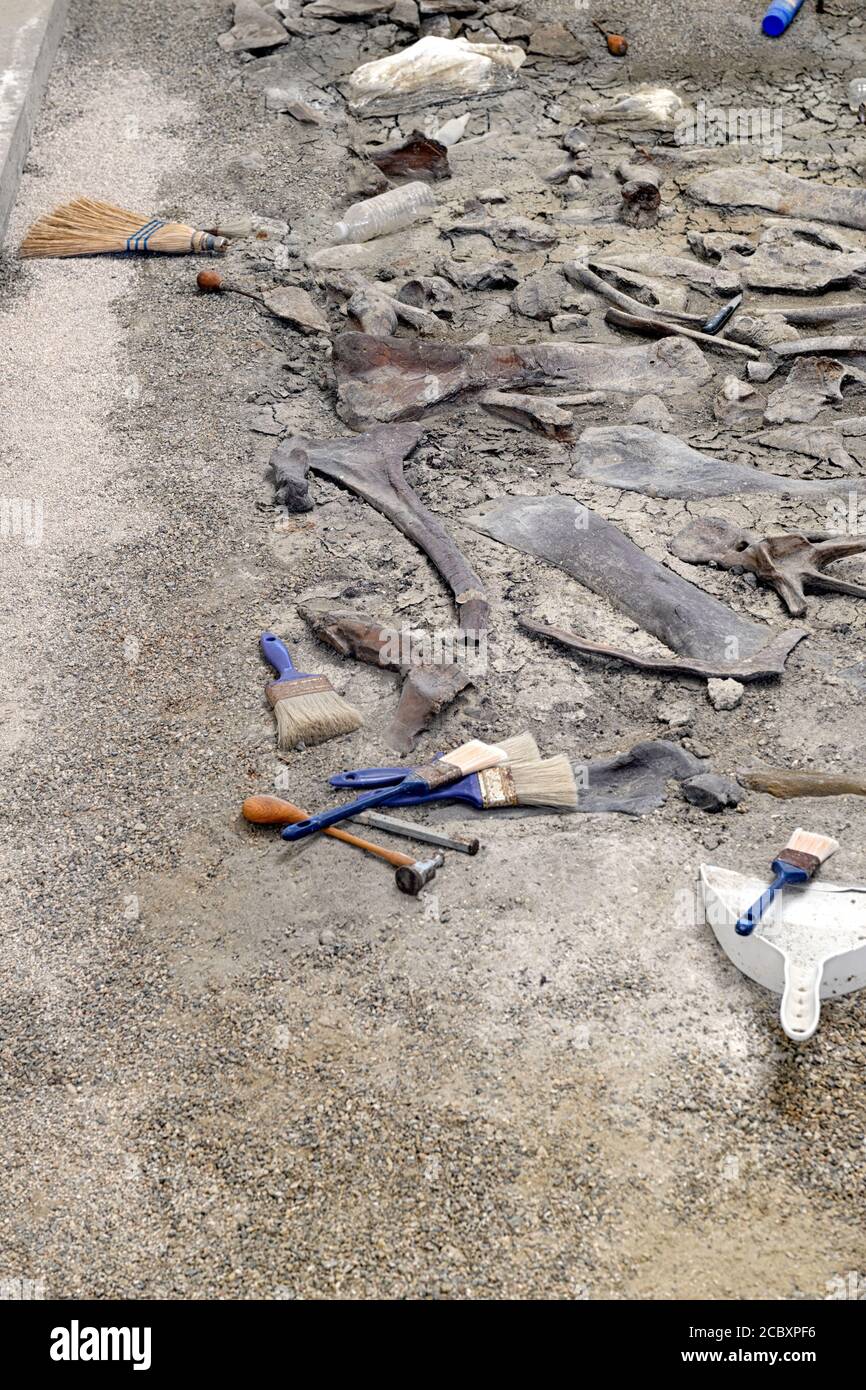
30,32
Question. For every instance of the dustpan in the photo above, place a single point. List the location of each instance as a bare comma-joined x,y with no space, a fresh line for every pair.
811,946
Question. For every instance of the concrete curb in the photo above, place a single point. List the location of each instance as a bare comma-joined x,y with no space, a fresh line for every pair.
29,34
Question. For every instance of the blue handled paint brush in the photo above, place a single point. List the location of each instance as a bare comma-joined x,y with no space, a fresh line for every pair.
307,708
796,863
545,782
474,756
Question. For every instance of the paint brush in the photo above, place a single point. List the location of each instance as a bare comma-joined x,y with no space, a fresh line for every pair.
521,748
470,757
801,858
541,782
307,708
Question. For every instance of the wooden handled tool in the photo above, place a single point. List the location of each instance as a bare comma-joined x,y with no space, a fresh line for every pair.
273,810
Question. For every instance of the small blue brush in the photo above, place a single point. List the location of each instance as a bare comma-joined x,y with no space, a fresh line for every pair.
307,708
796,863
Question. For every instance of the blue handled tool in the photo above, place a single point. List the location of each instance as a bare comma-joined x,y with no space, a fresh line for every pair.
468,789
470,757
276,654
307,708
778,17
786,874
802,856
370,777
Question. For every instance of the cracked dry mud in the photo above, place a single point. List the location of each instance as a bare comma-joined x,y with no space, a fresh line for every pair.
234,1068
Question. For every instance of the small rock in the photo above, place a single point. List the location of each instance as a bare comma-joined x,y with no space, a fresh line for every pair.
650,411
712,792
539,296
296,307
492,195
678,714
568,323
405,12
724,694
555,41
252,29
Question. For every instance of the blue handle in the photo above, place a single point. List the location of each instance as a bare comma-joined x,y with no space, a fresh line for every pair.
370,777
779,16
276,654
382,797
785,875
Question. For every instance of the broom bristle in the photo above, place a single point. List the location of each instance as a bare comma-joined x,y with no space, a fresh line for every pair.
87,227
546,783
314,718
522,748
807,842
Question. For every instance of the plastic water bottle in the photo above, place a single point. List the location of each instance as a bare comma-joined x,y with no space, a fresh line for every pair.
779,16
388,212
857,93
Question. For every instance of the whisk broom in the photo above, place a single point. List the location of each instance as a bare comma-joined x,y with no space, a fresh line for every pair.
87,227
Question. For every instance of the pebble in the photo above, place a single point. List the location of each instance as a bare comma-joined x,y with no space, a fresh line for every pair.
724,694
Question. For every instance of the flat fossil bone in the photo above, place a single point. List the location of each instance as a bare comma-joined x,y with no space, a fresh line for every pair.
752,186
383,379
372,466
637,459
598,554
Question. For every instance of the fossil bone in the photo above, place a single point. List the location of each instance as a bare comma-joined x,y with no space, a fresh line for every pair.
580,274
598,554
427,686
382,379
812,383
787,563
662,328
372,466
752,186
661,465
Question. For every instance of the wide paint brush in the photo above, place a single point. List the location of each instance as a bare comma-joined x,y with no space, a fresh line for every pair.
796,863
474,756
548,782
307,708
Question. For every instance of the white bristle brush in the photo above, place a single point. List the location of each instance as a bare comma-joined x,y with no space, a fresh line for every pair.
799,861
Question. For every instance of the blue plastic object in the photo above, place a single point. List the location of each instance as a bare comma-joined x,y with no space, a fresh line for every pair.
780,14
785,874
276,654
466,789
384,796
365,777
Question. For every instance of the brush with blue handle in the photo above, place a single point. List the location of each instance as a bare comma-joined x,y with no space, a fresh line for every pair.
537,782
470,757
307,708
796,863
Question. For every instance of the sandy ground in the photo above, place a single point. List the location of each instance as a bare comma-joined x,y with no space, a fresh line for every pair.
236,1070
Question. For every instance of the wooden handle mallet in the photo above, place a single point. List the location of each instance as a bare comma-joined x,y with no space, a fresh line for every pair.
411,874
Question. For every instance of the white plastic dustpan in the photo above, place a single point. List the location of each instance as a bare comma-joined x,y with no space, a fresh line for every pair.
810,946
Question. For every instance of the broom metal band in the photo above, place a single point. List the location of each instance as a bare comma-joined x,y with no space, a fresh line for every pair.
138,241
303,685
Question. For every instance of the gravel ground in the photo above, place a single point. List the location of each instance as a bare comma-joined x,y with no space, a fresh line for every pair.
229,1070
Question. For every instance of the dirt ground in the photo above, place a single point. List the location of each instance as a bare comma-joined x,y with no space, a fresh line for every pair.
238,1069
